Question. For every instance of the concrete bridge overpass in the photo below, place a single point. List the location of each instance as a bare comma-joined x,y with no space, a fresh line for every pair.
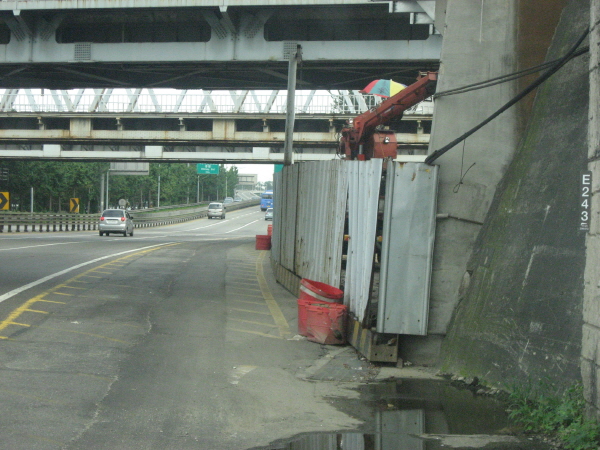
140,48
214,44
187,125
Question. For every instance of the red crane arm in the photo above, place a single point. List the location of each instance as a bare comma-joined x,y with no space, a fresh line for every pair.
364,125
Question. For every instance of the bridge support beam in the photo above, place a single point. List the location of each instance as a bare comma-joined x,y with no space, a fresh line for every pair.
153,151
291,104
51,150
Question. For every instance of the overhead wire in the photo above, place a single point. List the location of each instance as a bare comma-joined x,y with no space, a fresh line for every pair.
542,78
505,78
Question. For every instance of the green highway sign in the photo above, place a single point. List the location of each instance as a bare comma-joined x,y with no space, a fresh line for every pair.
212,169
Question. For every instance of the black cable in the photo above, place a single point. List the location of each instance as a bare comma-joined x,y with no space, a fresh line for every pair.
561,62
506,78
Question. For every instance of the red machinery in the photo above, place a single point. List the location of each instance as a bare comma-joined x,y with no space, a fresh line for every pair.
362,140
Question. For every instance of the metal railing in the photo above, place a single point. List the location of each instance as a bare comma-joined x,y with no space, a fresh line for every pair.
169,101
27,222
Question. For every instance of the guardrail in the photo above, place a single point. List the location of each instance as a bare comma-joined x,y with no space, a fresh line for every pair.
172,101
27,222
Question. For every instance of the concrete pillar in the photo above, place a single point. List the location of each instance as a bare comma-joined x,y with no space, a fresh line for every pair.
223,129
153,151
80,127
479,44
51,150
590,348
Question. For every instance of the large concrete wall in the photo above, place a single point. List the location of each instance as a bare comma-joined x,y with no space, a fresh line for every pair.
482,40
521,315
590,347
479,44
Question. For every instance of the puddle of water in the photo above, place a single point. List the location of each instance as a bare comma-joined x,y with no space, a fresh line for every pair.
417,415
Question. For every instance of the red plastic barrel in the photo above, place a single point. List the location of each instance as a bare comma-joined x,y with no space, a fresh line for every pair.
326,323
270,229
302,305
263,242
312,292
315,290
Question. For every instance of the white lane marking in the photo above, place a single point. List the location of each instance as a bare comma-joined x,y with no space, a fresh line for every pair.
18,290
243,226
40,245
238,372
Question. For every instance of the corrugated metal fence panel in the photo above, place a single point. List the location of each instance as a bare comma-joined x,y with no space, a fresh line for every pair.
320,221
407,248
276,236
289,209
364,180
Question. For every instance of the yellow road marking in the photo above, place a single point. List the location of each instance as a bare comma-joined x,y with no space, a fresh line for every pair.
240,288
253,322
91,375
255,332
250,311
249,302
284,329
84,333
36,311
251,296
17,312
34,397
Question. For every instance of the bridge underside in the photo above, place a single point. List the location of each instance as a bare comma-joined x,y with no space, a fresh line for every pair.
204,45
209,75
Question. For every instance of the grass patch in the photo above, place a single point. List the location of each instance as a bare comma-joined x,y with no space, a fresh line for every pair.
561,416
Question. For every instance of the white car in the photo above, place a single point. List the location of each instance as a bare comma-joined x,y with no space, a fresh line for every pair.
269,214
216,210
115,221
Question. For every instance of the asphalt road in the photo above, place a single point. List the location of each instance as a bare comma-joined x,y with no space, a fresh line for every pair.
175,338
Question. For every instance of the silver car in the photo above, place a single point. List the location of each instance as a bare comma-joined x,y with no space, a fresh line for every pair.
269,214
115,221
216,210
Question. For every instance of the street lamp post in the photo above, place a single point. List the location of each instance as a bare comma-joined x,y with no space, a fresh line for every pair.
107,178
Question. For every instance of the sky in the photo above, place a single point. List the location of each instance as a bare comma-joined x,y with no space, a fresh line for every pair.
264,171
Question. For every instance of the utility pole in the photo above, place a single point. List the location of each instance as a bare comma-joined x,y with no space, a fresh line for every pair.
295,56
158,195
101,193
590,220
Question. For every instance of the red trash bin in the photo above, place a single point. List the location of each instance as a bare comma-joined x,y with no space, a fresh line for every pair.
263,242
312,292
315,290
326,323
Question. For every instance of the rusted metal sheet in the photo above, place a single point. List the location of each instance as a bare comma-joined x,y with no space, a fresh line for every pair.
320,221
284,218
364,180
407,248
308,227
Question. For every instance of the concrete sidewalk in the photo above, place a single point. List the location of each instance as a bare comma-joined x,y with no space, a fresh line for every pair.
341,362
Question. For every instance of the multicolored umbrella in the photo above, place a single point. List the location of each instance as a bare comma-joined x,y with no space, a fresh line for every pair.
383,88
